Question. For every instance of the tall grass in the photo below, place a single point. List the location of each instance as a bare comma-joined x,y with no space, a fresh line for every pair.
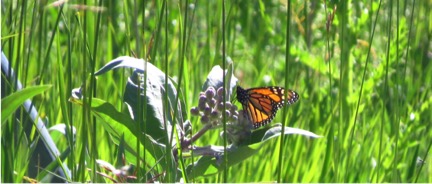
362,69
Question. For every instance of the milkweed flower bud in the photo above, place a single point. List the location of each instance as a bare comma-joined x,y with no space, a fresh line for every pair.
214,114
204,119
202,106
210,92
227,113
212,102
207,110
220,91
194,111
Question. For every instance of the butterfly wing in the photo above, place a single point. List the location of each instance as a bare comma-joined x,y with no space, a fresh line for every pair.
262,103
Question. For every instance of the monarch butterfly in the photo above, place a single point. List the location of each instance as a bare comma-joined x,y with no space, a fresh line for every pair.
262,103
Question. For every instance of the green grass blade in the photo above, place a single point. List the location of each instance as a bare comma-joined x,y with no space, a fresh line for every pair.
12,102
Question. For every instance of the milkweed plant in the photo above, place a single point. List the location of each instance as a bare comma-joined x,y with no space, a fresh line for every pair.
148,93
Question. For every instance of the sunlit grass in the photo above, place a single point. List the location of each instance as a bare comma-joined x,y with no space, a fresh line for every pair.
374,118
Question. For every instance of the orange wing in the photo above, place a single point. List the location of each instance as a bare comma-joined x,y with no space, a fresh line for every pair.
262,103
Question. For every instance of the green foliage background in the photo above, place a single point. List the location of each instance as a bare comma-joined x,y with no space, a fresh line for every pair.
364,78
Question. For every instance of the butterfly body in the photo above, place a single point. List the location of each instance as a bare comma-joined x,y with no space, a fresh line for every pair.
262,103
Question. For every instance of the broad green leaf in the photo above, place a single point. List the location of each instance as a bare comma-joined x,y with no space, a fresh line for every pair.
155,91
210,165
277,131
118,124
10,103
